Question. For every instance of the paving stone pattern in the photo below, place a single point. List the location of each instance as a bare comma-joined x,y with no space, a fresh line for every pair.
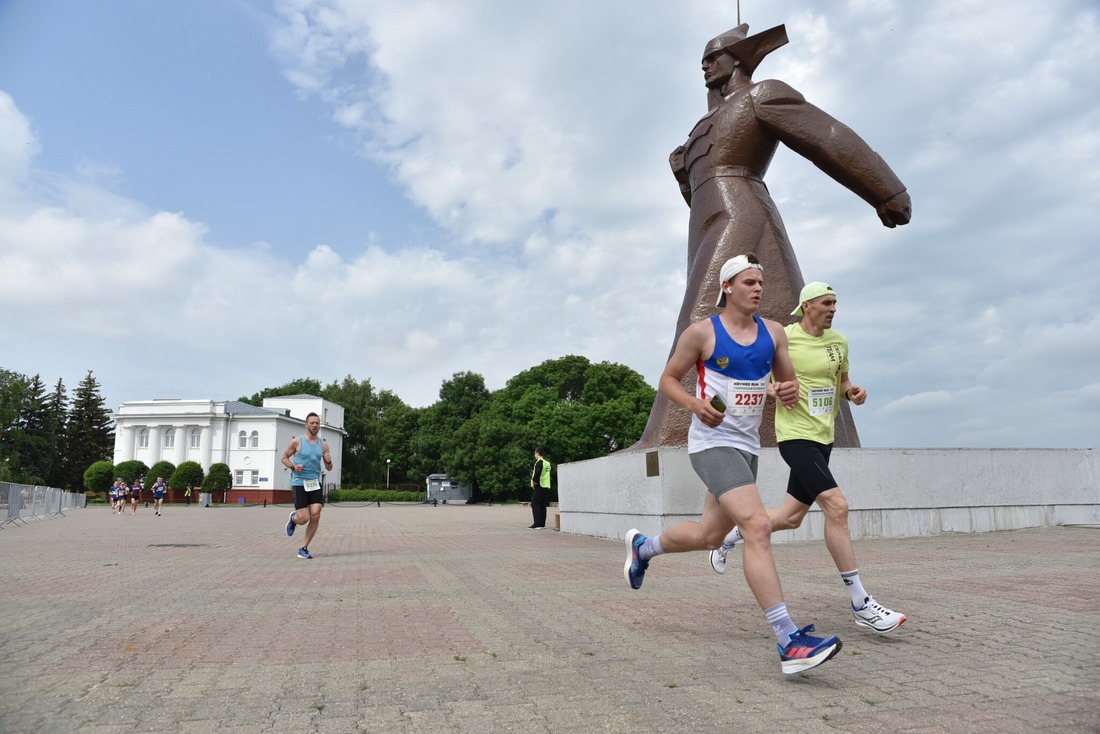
414,618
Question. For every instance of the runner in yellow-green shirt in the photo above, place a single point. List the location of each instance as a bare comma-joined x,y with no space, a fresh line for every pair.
805,438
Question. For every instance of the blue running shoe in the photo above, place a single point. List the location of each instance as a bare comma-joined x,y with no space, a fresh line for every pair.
805,651
290,524
304,553
634,570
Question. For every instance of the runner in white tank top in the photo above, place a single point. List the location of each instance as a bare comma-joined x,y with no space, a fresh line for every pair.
733,354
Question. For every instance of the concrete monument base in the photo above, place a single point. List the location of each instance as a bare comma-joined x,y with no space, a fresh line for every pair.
891,492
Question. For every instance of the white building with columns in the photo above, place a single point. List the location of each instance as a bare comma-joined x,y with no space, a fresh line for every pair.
248,439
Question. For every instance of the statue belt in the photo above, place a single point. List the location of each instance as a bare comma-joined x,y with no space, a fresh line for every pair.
729,172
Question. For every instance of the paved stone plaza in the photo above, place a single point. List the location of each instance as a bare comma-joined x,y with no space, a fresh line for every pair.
459,619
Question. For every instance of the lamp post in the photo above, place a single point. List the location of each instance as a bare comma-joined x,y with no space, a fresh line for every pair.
387,473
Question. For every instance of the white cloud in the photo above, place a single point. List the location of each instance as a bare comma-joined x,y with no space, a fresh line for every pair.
18,147
536,138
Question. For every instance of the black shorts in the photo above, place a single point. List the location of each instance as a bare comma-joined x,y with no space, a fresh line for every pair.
809,463
303,499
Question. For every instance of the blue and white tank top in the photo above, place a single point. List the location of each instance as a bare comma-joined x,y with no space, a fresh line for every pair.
739,374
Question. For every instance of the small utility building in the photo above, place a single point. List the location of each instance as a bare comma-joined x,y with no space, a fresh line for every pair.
444,489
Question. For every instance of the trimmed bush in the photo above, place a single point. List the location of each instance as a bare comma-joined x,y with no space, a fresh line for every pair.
160,469
99,476
373,495
187,474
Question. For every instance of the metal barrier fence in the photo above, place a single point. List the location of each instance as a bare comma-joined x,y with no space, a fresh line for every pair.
21,503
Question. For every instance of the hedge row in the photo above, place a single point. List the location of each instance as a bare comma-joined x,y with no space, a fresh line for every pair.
373,495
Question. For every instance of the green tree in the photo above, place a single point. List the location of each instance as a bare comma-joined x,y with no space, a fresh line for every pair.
396,427
425,448
361,415
99,476
218,479
56,428
187,474
161,469
440,443
461,401
131,470
14,396
36,440
576,410
89,437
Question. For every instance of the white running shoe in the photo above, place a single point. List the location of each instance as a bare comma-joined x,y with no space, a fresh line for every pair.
719,557
874,616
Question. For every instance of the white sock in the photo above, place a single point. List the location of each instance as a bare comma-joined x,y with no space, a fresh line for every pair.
781,623
733,537
855,588
651,546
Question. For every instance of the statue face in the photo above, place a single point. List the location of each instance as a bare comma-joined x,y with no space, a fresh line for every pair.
718,68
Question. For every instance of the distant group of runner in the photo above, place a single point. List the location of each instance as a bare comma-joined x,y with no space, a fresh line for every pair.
123,496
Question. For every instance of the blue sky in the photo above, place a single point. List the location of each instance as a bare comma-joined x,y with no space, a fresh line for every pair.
204,199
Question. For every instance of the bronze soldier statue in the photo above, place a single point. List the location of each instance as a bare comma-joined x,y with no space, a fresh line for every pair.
721,171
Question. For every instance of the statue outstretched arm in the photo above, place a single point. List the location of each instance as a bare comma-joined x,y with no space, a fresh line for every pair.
833,147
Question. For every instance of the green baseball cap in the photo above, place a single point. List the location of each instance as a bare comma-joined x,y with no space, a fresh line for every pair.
810,291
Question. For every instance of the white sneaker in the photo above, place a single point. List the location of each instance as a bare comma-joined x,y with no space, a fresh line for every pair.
874,616
718,558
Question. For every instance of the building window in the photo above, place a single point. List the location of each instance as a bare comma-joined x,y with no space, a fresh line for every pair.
242,440
246,478
170,438
143,439
255,439
196,437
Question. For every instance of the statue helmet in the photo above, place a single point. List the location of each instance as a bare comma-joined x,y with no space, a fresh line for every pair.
749,50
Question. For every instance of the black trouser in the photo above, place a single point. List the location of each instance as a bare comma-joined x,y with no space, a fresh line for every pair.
540,499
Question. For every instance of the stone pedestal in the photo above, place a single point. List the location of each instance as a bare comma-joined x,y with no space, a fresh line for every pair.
648,490
891,492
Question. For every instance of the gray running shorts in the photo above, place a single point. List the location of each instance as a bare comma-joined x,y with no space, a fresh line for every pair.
723,468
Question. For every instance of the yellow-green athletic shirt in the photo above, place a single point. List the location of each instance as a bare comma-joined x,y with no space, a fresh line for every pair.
818,361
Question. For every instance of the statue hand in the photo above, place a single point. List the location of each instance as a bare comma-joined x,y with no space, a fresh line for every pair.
679,170
896,210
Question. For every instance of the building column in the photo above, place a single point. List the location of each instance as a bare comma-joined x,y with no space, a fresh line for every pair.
182,438
124,443
154,445
207,443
